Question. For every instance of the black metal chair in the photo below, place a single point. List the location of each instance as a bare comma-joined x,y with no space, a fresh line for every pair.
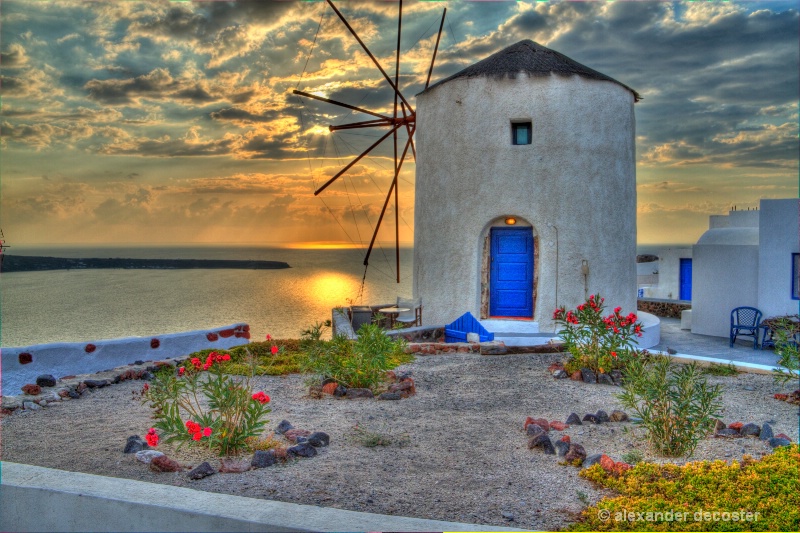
745,322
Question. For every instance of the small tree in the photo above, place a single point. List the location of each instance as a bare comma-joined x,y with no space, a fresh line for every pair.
786,348
675,403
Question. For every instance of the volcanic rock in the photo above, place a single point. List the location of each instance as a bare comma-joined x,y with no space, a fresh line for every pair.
46,380
202,470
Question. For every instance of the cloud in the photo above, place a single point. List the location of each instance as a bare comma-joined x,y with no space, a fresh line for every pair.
14,57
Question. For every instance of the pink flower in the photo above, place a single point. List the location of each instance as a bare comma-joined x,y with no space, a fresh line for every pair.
206,432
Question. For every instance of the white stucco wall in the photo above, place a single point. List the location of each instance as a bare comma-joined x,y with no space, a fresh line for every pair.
724,271
779,233
575,184
723,277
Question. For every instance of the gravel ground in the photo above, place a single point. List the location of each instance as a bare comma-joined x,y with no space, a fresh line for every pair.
461,454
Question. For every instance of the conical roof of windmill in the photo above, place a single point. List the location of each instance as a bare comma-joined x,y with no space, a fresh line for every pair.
530,58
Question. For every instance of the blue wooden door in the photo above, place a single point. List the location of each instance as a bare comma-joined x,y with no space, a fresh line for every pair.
511,276
685,280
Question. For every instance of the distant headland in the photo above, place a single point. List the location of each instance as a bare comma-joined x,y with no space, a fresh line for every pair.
25,263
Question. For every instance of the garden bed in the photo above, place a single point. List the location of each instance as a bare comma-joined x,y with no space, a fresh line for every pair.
454,451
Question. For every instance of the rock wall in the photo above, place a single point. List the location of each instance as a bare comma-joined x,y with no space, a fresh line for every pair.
665,308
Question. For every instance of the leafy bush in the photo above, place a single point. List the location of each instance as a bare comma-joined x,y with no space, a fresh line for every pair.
594,341
769,487
201,404
789,362
372,438
257,357
716,369
675,403
359,363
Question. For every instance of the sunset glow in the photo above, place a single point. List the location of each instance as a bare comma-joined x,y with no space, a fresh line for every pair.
159,122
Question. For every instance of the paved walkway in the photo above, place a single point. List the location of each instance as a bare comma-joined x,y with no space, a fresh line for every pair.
686,342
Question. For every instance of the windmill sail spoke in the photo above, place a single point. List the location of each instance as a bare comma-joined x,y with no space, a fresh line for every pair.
386,202
364,124
341,104
435,49
356,160
364,47
402,116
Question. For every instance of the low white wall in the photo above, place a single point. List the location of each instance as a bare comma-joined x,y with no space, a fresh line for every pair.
70,358
43,499
651,330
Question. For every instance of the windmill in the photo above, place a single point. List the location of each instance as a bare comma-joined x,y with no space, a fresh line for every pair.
403,116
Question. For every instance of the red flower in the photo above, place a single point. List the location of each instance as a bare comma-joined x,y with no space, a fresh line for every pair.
274,349
181,370
206,432
151,437
146,387
613,354
261,398
197,436
617,310
192,427
269,337
196,362
226,357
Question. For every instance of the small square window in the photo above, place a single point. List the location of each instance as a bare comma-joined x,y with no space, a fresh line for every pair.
521,133
795,276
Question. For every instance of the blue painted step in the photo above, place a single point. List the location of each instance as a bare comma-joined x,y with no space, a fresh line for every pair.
457,331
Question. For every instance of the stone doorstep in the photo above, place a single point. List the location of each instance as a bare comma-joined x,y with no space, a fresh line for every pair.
15,402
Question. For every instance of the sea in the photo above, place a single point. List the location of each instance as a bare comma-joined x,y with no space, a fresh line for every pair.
97,304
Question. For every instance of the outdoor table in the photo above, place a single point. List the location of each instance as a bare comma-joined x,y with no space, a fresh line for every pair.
392,313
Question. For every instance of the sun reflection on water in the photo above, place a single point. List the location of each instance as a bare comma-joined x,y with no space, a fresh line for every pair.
333,288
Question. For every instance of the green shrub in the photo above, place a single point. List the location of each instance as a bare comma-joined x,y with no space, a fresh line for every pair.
787,350
769,487
675,403
716,369
372,438
359,363
286,361
200,403
633,457
594,341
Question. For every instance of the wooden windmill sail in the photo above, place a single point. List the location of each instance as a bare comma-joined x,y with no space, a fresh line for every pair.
403,116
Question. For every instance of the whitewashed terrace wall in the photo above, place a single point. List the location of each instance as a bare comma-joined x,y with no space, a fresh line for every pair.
21,365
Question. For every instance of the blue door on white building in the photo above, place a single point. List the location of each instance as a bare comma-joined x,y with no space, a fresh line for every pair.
511,275
685,280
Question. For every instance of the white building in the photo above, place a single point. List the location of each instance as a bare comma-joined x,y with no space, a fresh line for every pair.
525,189
669,278
746,258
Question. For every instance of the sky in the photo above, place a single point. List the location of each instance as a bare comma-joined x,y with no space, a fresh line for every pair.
132,122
